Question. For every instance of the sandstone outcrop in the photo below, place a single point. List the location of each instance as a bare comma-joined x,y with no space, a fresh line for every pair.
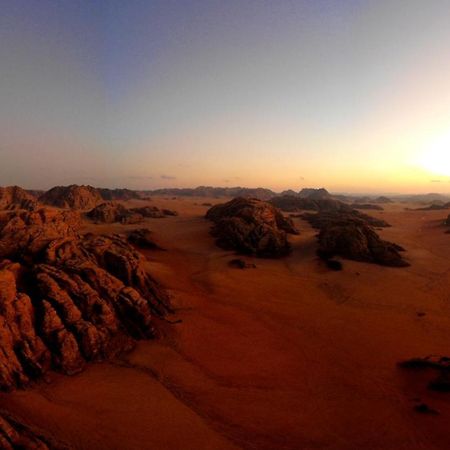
143,238
15,435
72,197
66,299
14,197
110,212
351,236
251,226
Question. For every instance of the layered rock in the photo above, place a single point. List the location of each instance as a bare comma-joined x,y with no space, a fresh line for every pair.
251,226
14,197
110,212
68,299
351,236
15,435
72,197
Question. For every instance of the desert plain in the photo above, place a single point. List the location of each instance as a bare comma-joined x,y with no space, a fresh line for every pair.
288,355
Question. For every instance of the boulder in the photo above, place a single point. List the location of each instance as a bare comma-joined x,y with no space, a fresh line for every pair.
251,226
351,236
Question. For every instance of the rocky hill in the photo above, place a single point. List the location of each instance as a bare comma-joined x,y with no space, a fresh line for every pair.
251,226
14,197
73,197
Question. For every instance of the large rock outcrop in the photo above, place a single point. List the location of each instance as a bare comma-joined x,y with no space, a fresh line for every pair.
352,236
14,197
118,194
16,435
251,226
315,194
72,197
66,298
111,212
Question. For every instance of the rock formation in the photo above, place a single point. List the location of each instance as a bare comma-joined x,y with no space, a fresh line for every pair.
142,238
251,226
314,194
439,364
14,197
15,435
65,298
73,197
291,203
350,235
110,212
118,194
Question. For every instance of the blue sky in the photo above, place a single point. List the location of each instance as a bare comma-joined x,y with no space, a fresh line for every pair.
346,94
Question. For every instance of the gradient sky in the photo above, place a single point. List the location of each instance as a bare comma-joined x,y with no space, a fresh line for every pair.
353,95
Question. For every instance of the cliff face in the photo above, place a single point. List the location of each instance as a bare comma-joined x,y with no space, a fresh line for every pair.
66,299
73,197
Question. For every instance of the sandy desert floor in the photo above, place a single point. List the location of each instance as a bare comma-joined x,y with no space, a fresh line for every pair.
285,356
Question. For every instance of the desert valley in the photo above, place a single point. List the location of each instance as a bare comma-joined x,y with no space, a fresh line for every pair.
223,319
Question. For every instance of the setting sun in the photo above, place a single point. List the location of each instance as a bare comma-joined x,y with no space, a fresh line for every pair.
436,156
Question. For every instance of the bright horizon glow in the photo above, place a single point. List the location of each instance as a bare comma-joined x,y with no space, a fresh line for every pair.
276,93
436,156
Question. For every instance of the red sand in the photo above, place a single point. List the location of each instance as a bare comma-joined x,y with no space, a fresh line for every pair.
285,356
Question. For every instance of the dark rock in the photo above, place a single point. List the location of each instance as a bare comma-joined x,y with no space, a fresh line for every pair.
169,212
350,235
251,226
110,212
142,238
334,264
73,197
241,264
423,408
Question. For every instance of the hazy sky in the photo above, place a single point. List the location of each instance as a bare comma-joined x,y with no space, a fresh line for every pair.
350,94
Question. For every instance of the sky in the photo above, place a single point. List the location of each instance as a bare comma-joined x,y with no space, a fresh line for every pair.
352,95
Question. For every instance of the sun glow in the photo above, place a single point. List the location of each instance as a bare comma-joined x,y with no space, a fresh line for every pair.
435,158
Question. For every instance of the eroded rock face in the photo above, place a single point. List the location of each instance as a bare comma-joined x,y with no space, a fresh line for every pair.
16,435
14,197
251,226
73,197
66,299
351,236
110,212
24,234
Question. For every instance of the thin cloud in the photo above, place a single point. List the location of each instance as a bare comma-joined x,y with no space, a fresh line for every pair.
168,177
